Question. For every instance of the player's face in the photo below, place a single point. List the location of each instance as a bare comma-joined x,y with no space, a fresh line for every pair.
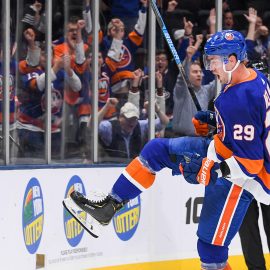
215,64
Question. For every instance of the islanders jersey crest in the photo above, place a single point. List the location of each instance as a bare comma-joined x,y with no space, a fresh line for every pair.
220,126
229,36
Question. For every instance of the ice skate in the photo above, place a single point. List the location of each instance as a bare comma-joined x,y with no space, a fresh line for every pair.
86,221
98,212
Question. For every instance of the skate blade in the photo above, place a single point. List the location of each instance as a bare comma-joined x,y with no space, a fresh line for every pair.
91,225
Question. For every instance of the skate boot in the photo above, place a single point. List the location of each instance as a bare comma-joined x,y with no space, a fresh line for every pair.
102,211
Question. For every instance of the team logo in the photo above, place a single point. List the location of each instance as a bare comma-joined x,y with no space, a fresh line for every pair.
220,126
32,215
125,57
73,230
126,221
229,36
103,90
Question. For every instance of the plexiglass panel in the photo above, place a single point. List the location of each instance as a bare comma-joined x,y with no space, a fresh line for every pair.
111,85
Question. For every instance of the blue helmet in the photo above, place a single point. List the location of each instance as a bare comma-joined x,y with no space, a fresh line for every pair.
225,43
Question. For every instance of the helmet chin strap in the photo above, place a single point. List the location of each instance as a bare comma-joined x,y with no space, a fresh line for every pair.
229,72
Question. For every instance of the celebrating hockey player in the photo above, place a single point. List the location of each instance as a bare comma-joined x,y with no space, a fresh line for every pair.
234,169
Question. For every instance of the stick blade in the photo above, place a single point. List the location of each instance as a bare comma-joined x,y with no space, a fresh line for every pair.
92,226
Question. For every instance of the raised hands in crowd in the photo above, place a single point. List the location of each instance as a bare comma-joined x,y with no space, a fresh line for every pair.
117,30
188,26
171,6
118,50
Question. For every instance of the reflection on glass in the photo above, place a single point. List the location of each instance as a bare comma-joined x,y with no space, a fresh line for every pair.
123,81
122,135
76,88
14,145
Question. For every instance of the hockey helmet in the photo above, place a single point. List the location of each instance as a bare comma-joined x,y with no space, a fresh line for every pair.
226,43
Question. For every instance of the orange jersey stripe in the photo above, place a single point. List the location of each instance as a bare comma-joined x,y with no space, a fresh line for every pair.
63,48
252,76
138,172
71,97
221,149
265,177
252,166
226,217
80,69
111,64
135,38
33,84
24,68
110,113
84,109
125,74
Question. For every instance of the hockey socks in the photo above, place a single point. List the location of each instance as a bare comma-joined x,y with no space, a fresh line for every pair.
134,179
213,257
140,174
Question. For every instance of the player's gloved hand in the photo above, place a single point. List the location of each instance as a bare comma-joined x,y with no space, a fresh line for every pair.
204,122
199,170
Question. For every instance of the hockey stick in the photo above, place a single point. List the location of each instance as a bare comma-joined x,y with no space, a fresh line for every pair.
175,54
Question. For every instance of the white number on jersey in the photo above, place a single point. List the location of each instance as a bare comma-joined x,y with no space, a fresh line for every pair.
32,75
243,132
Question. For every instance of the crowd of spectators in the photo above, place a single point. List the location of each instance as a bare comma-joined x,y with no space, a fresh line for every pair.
122,72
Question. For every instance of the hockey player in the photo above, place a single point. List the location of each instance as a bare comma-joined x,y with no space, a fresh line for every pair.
238,157
237,164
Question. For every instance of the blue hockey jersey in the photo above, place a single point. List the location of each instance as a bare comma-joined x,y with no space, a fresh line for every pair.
243,133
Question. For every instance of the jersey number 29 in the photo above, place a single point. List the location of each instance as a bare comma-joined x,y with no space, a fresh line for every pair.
243,132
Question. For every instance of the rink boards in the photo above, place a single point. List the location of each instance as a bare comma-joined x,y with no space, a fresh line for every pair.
157,230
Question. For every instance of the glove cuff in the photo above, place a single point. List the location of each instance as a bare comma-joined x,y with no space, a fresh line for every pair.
204,175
